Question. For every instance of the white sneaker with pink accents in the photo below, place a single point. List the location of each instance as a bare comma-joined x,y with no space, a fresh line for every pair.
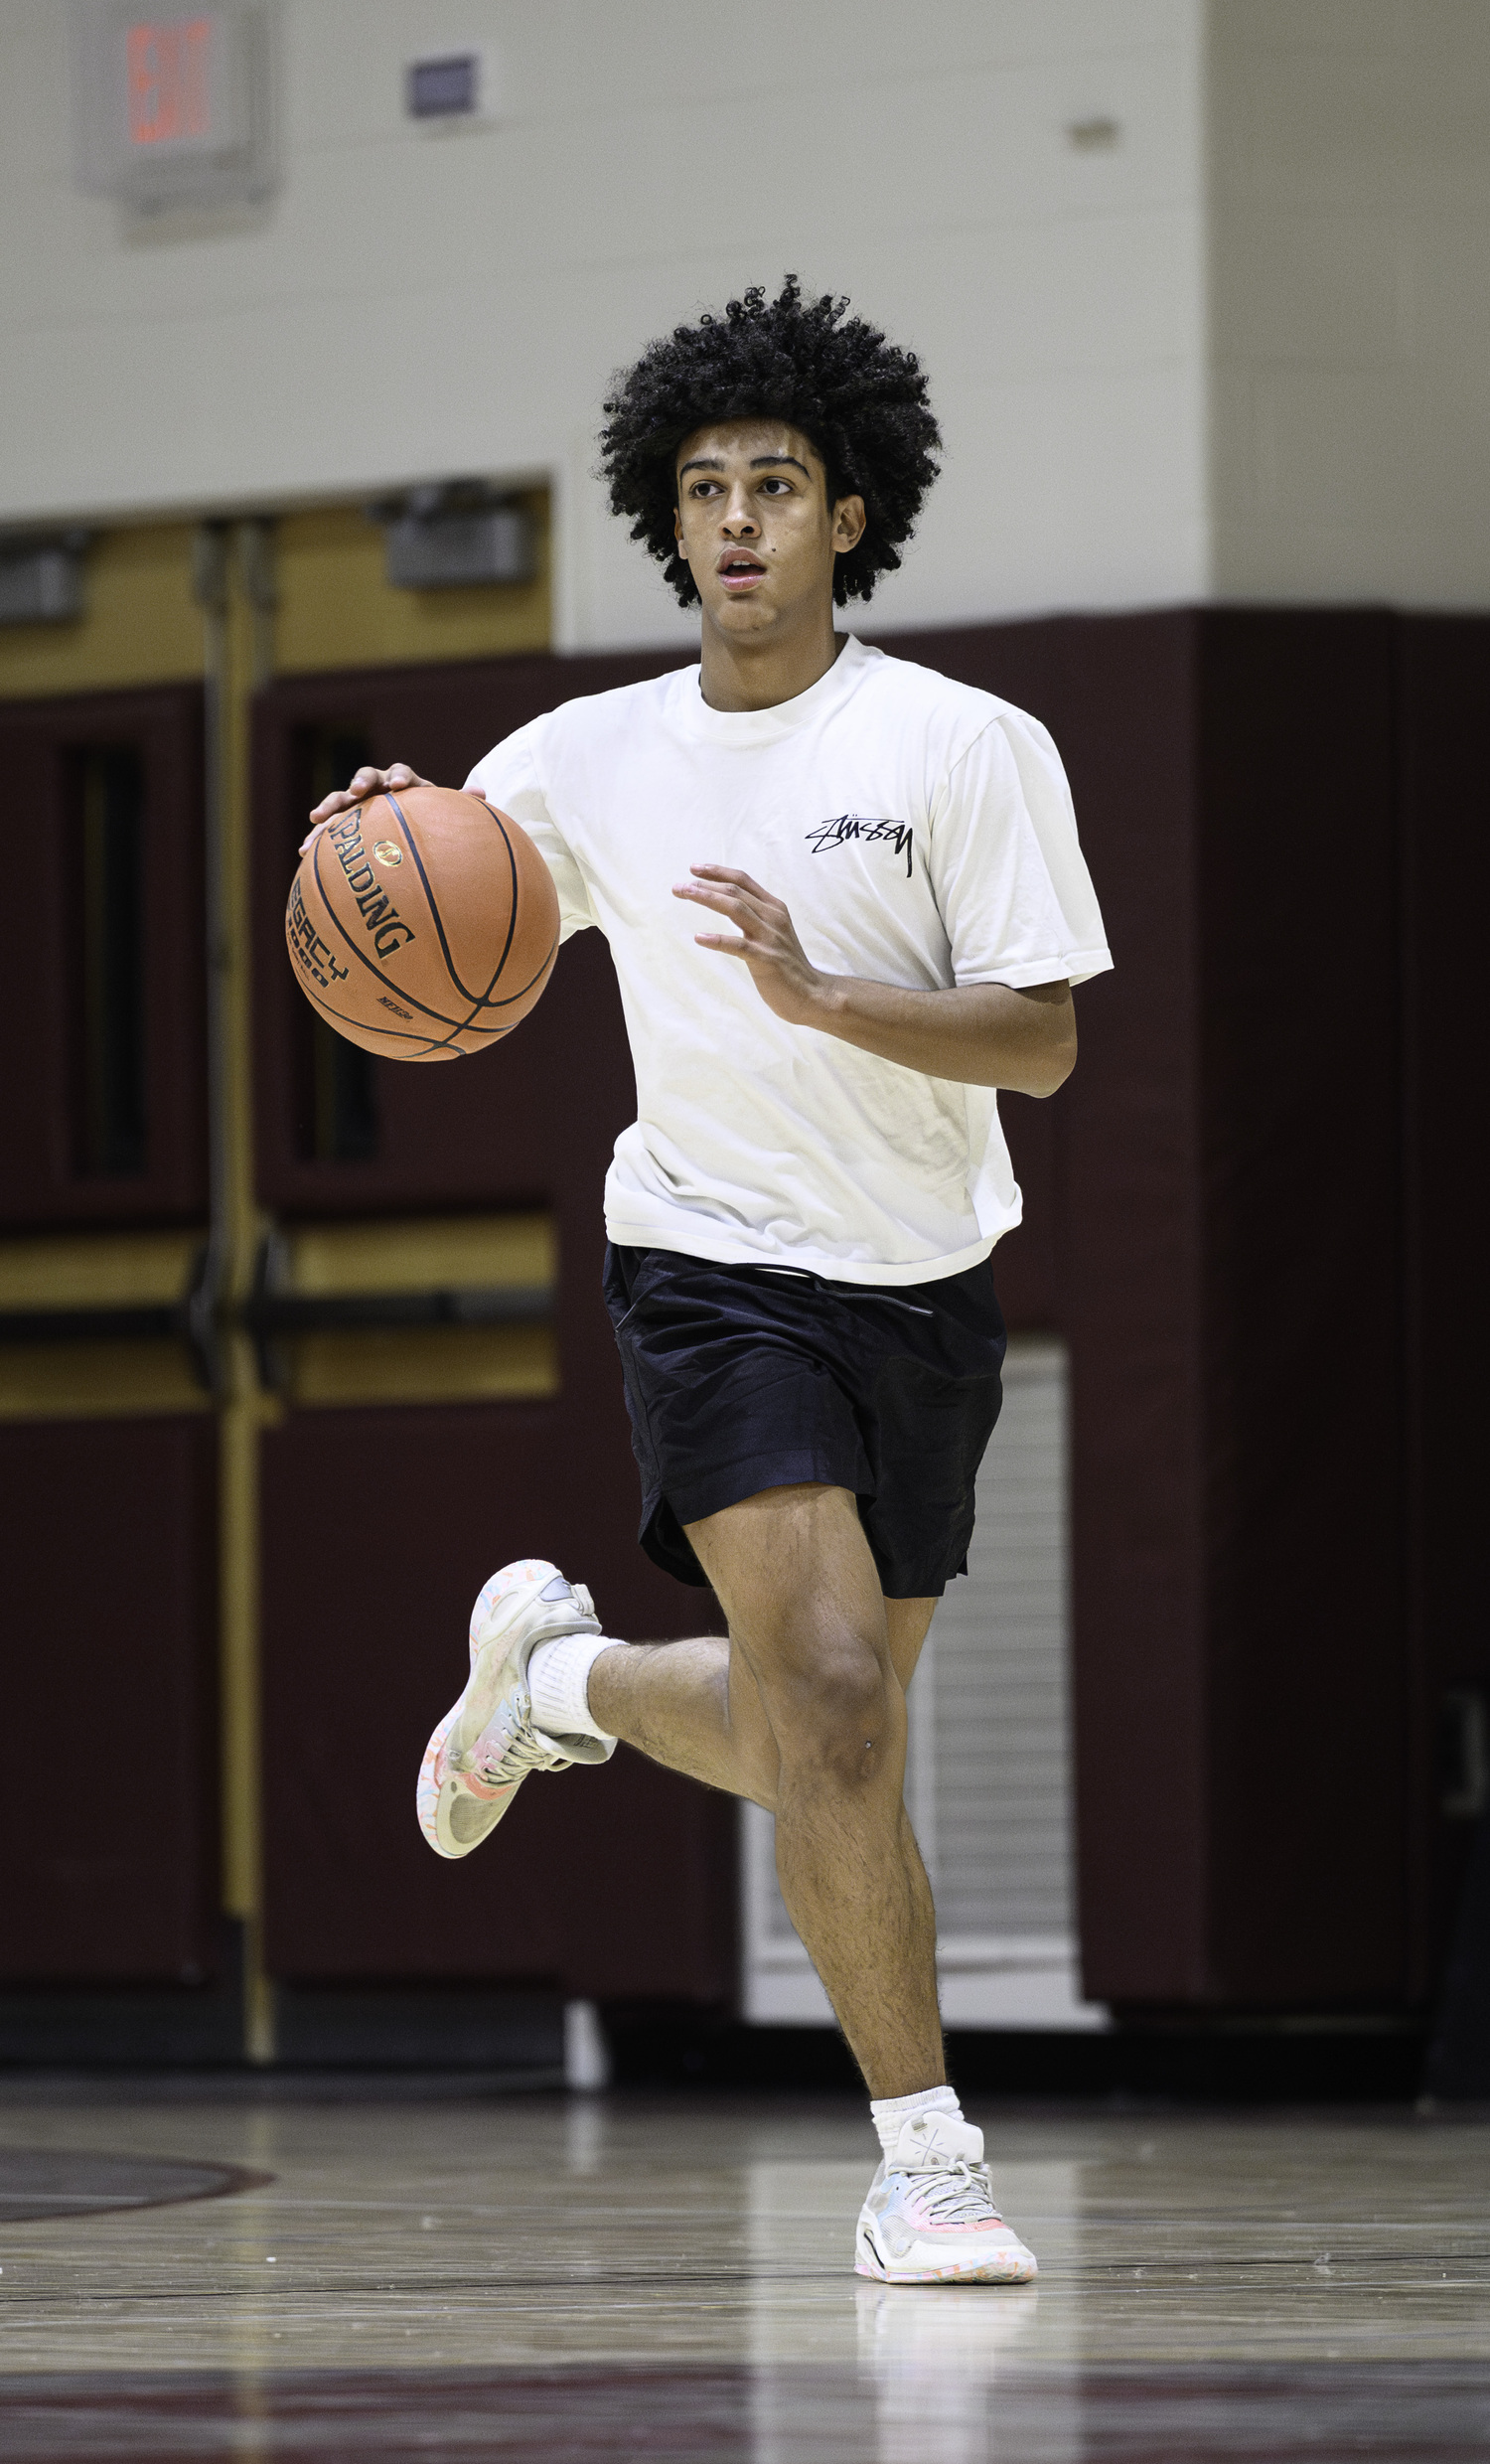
930,2217
485,1745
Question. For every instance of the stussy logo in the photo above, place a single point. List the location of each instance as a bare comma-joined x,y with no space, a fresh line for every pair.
898,835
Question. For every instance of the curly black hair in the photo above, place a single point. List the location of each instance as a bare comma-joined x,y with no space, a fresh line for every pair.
859,401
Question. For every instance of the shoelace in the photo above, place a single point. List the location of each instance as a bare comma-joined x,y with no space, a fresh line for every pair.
957,2193
510,1751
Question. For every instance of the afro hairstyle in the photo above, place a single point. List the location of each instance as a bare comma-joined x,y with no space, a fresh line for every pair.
859,401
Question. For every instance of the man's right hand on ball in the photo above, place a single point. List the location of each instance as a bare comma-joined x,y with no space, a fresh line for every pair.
367,782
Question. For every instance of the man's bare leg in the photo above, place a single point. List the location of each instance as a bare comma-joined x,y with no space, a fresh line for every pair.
695,1705
803,1710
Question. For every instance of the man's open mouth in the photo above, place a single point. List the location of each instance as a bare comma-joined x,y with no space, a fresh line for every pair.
737,571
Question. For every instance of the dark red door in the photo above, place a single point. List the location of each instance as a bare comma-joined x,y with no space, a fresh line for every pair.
108,1757
382,1521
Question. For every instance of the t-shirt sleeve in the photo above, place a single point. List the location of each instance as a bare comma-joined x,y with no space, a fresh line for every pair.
1006,865
512,777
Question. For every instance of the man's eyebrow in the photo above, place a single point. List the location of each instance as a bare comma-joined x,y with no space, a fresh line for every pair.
761,462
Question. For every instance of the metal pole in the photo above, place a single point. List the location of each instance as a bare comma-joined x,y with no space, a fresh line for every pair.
210,588
236,648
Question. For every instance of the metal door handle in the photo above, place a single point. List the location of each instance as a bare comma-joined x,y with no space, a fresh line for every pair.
191,1320
270,1316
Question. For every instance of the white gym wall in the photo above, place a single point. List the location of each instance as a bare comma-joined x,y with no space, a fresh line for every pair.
418,301
1067,205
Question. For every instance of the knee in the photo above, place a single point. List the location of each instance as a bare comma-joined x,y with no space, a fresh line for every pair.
841,1717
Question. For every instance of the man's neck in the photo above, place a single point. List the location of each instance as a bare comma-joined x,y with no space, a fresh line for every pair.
738,672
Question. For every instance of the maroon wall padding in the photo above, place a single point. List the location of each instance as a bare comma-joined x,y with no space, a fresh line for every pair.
381,1526
39,1175
1443,721
1026,1266
1130,1311
1302,1249
1228,1273
1231,1281
109,1748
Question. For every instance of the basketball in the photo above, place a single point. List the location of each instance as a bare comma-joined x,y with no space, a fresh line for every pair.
423,925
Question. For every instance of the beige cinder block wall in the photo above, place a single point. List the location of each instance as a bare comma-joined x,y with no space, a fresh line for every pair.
1348,148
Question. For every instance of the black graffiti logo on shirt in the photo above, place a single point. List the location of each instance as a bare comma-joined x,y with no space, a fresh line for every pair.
847,825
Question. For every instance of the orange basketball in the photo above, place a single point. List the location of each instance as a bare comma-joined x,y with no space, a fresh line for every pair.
423,925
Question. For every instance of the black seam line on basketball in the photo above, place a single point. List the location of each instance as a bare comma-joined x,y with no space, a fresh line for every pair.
524,989
521,992
488,1035
512,919
470,1023
464,989
545,964
390,981
468,1026
394,1034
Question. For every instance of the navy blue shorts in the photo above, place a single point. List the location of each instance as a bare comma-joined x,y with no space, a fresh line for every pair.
738,1379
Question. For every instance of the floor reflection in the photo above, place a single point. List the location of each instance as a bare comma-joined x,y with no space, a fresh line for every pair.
927,2358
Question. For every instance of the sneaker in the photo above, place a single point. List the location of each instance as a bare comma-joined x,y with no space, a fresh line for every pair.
930,2217
485,1745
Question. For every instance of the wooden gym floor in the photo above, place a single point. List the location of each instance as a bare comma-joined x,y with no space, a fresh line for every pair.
444,2275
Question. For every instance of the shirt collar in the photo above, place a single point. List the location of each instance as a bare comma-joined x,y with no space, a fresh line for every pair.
695,719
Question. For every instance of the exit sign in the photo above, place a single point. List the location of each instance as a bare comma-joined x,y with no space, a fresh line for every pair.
170,80
173,108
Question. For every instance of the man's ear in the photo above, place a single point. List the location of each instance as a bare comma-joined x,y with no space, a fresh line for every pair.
850,524
678,532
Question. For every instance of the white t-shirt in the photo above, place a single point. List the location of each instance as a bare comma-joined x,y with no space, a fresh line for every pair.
920,833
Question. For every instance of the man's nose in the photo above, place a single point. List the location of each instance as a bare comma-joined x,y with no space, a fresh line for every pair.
738,516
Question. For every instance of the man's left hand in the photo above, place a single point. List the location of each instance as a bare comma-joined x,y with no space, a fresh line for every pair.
1021,1036
784,976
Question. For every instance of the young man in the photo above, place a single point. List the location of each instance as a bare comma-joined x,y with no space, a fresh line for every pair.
845,903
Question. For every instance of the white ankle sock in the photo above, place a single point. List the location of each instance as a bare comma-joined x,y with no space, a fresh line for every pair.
559,1679
889,2112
